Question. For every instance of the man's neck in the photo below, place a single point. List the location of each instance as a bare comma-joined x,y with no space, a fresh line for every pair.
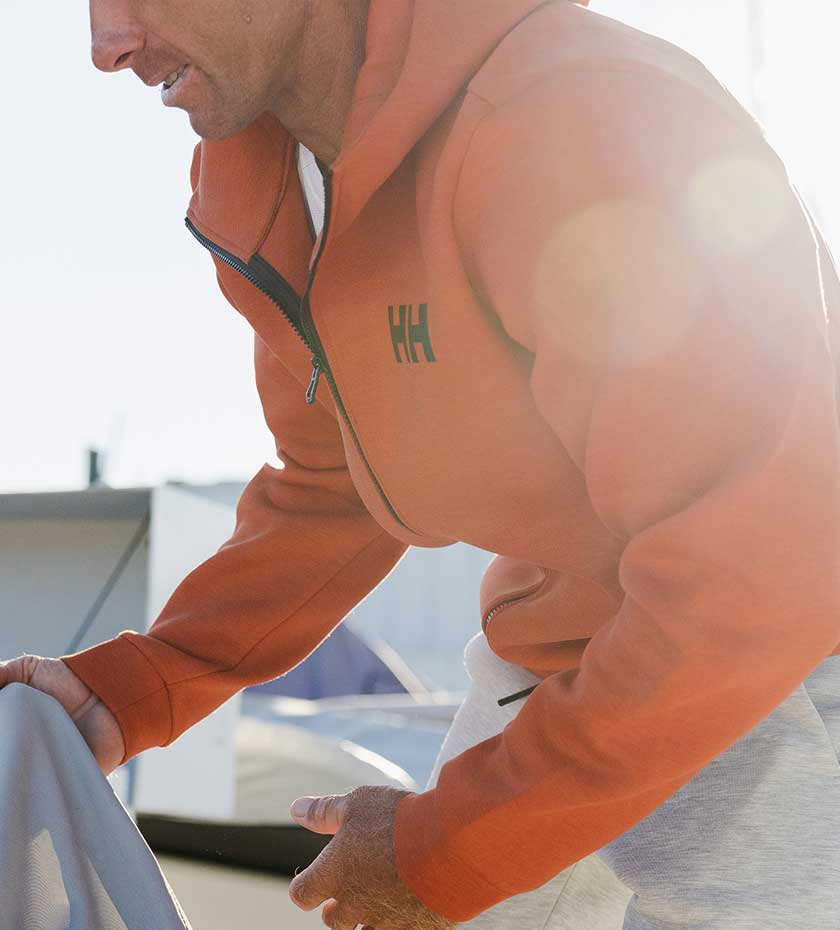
316,108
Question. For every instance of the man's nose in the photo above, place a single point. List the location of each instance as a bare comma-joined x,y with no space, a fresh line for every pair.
115,37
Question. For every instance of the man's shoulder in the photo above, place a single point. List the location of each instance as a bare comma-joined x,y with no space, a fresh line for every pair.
561,39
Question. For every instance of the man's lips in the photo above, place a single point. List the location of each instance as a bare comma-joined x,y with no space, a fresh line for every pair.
176,92
174,77
166,77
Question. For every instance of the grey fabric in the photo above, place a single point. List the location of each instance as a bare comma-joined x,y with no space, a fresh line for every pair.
70,856
751,843
587,896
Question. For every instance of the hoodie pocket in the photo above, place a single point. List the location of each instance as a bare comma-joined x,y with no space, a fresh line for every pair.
538,618
506,582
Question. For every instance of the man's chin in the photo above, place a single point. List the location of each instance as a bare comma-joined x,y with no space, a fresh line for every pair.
217,129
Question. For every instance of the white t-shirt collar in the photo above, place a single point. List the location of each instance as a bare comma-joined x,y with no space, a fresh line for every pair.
312,182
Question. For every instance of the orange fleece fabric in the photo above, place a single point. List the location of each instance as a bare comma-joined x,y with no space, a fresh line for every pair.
570,309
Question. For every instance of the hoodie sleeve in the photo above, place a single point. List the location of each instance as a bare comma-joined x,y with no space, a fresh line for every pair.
304,552
645,244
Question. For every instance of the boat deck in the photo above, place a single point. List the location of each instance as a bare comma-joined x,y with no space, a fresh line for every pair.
218,897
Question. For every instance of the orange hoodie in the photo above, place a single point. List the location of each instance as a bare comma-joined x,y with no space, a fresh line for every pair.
568,308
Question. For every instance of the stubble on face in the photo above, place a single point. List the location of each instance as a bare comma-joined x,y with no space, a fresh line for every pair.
297,59
252,60
253,53
241,56
226,62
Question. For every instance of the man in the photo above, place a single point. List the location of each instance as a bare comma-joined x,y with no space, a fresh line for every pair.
566,306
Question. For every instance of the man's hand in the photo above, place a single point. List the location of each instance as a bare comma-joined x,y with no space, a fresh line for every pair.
356,873
95,722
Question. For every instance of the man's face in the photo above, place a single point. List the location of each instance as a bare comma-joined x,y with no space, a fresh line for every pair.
234,58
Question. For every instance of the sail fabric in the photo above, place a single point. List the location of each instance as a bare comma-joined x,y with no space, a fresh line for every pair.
71,858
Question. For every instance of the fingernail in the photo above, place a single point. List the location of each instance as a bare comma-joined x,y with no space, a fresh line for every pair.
300,808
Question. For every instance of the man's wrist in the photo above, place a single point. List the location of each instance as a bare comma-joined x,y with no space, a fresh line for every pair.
126,683
443,880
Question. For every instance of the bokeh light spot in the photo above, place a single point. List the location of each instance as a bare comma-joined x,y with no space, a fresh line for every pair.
737,205
617,285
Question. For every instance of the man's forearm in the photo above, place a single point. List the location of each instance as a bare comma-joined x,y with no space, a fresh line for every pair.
252,612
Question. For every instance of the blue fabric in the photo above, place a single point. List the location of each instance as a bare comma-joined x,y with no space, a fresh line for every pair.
343,664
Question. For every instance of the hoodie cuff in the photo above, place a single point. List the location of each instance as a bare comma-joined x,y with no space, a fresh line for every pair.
426,863
121,676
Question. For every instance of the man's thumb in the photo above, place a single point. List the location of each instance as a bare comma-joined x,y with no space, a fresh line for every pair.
320,815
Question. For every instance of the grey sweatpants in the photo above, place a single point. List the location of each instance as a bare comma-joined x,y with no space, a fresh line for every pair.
750,843
70,857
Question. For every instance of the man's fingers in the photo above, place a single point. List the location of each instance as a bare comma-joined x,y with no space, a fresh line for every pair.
310,887
338,916
7,673
320,815
16,671
318,883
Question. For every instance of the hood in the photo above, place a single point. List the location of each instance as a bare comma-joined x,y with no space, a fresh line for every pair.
420,54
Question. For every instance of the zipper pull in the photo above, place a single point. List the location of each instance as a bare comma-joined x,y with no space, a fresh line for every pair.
312,390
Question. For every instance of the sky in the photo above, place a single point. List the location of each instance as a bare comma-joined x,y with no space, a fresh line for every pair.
114,333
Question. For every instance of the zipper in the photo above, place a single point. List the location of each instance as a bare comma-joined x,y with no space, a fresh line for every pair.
498,609
263,276
314,380
320,365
